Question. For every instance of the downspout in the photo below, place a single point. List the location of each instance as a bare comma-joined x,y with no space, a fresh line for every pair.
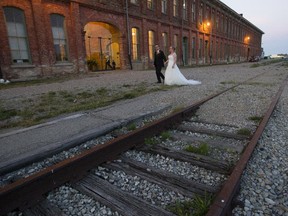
128,35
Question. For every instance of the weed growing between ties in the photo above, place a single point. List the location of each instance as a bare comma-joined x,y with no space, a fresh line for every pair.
244,132
199,206
151,141
165,135
202,149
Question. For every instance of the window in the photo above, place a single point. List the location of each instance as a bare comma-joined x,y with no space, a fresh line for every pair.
164,6
193,11
217,21
134,1
17,35
135,44
201,14
216,50
175,42
175,8
151,42
193,47
200,48
213,19
59,37
150,4
165,42
185,16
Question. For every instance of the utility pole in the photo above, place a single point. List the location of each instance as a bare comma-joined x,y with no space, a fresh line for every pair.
128,35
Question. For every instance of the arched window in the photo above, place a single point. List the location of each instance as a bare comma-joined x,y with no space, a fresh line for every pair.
59,37
151,42
135,44
17,35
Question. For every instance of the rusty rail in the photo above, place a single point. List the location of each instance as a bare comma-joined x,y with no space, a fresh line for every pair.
222,203
27,192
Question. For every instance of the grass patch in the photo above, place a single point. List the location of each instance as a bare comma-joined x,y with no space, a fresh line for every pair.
255,65
244,132
202,149
55,103
151,141
199,206
102,91
181,208
165,135
131,127
256,119
231,82
130,95
6,114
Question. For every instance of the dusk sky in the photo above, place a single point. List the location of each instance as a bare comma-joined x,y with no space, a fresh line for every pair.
269,16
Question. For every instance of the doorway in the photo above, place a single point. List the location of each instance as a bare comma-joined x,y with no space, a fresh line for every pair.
102,45
185,50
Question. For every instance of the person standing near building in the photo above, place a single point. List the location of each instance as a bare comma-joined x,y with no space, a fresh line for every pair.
159,59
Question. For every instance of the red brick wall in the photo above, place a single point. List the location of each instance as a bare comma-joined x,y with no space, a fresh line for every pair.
78,13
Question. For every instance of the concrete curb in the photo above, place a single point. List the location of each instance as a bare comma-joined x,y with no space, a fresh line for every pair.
54,148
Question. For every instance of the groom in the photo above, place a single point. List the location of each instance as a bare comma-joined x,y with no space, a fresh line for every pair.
159,59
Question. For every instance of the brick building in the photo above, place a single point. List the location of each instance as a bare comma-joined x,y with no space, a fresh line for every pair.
41,38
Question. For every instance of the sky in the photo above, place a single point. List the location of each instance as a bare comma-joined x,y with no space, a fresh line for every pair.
269,16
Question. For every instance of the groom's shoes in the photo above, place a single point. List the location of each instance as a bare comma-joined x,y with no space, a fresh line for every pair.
159,82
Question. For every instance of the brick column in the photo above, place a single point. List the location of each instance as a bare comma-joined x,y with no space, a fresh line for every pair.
41,40
78,42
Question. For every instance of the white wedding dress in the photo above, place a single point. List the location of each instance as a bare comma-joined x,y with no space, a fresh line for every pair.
173,76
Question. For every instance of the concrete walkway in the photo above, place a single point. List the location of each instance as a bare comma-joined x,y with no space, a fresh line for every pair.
20,146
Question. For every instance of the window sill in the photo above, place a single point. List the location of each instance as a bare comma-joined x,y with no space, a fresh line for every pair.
23,66
60,64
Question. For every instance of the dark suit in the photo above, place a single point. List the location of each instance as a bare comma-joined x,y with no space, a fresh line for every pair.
159,59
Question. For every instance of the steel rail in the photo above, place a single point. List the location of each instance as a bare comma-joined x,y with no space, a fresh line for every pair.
26,192
222,203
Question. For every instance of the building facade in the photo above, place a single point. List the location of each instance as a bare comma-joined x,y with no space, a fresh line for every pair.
42,38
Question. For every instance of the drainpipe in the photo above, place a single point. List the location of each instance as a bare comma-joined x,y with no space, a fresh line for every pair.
128,35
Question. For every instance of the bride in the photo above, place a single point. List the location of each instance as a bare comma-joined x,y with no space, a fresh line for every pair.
173,75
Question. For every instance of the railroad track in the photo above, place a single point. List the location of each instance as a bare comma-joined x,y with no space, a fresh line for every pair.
170,154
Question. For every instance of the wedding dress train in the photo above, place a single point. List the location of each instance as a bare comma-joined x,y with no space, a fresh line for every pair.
173,76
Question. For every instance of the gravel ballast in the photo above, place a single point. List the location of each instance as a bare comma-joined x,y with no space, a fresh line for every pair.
264,188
